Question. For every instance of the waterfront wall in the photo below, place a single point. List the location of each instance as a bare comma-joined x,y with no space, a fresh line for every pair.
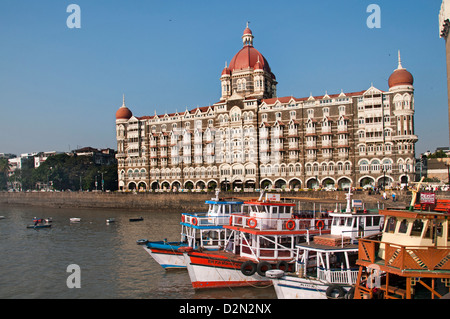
184,202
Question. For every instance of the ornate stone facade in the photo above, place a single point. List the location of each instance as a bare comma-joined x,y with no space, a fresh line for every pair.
251,138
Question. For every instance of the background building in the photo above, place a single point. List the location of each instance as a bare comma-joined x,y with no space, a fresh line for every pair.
251,138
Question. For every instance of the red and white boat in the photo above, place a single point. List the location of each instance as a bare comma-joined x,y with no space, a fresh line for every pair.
262,237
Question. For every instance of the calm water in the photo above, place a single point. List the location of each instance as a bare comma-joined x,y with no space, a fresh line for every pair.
33,263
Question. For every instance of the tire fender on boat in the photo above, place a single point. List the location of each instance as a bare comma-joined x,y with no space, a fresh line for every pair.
283,265
262,267
248,268
333,289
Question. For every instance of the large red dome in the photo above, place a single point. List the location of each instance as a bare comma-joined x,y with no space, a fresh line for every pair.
246,58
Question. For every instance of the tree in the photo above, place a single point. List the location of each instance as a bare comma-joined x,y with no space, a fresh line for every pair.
5,168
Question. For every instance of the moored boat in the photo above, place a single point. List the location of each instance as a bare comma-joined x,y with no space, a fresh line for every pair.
198,230
411,260
36,226
325,268
75,219
263,236
137,219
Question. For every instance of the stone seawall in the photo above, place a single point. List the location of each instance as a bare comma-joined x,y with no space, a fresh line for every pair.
185,202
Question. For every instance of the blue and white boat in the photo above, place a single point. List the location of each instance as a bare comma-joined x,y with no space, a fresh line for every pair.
198,231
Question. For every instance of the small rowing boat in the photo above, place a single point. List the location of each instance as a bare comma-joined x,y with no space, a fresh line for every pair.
138,219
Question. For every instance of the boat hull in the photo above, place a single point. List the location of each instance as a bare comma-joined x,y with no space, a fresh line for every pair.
218,271
291,287
39,226
166,254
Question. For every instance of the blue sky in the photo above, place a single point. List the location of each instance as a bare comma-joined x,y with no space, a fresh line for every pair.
60,87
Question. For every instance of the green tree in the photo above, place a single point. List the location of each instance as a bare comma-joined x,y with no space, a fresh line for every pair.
5,168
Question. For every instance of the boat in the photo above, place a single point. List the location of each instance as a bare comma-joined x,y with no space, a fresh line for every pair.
137,219
262,237
141,241
411,258
42,220
198,230
326,267
2,217
75,220
110,220
36,226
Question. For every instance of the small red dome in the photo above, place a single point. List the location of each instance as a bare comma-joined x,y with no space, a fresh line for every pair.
123,113
226,71
247,31
400,77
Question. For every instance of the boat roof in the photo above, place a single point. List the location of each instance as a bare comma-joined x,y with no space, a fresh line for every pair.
268,203
325,248
354,214
224,202
414,214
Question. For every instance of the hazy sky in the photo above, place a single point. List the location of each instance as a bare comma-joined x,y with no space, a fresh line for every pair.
60,87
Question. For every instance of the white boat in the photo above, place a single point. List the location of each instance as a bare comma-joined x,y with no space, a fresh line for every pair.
326,268
263,236
110,220
75,220
198,230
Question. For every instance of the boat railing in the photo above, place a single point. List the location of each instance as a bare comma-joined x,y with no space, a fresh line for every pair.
269,250
280,224
405,258
202,219
338,275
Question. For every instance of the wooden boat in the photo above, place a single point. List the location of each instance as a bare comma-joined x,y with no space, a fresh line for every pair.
263,236
411,260
325,268
138,219
198,230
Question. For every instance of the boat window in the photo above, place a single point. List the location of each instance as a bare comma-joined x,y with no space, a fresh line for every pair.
341,221
430,231
390,225
439,231
417,228
368,221
235,208
376,220
403,227
448,231
350,222
274,209
335,221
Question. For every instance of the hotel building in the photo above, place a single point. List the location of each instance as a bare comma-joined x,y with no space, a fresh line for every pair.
251,138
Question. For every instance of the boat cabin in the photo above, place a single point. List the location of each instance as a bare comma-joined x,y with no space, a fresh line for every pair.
206,229
356,224
415,228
